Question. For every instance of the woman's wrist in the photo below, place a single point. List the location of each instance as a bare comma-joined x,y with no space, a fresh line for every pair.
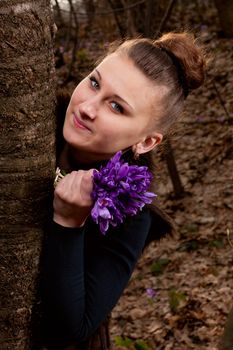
67,221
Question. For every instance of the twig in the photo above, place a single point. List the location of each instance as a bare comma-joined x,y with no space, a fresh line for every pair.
75,47
59,13
118,23
220,98
207,121
68,35
118,9
173,172
148,18
228,237
165,18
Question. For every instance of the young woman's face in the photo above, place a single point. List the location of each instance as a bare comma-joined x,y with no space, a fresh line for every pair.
111,109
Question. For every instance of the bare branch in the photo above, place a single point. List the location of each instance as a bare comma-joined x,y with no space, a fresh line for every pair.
59,12
165,17
220,99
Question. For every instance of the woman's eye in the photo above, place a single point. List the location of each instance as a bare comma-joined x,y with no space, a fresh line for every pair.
118,108
94,82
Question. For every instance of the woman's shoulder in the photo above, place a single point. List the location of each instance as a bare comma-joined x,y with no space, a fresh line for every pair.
153,221
162,224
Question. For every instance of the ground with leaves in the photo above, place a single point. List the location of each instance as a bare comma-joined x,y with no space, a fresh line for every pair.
192,274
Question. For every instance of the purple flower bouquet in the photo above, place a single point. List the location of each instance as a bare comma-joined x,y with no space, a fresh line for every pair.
119,190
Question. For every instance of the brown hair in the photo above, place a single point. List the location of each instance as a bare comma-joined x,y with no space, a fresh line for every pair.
174,61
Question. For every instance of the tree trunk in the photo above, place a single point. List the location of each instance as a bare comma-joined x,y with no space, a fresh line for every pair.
173,172
225,13
27,159
227,339
100,340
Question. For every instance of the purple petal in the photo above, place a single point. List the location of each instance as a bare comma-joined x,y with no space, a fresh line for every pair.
151,292
104,224
125,185
123,171
104,213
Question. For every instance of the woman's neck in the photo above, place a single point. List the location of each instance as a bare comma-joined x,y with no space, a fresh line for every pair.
70,159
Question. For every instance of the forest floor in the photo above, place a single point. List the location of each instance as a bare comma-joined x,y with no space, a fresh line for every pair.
191,275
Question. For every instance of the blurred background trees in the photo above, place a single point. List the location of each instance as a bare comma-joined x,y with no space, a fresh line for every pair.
107,20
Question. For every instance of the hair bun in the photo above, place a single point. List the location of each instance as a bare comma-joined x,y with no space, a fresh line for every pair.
189,54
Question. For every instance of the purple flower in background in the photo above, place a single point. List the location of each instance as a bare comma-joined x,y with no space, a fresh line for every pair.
119,190
151,292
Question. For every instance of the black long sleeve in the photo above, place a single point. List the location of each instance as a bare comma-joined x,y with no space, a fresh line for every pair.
85,274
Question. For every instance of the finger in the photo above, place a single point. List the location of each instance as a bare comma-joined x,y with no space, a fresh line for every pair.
65,189
86,186
76,187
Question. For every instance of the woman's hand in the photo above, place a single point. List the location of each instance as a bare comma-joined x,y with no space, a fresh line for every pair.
72,199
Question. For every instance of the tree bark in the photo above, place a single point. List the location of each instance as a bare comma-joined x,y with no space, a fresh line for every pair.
100,340
173,172
227,339
27,160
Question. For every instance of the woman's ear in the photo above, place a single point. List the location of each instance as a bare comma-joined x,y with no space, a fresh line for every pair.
147,144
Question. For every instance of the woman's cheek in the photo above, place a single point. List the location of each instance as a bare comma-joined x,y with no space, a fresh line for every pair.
78,95
109,132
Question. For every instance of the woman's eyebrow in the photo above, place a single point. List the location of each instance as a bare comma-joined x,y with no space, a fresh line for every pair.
121,99
115,96
99,75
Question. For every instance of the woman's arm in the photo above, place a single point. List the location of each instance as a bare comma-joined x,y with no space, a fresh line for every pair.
85,272
85,275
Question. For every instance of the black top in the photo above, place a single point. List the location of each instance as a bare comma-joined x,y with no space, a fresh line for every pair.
85,274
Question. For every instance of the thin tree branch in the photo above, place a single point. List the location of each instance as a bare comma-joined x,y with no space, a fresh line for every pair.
173,172
103,13
118,23
75,47
148,18
59,13
220,99
165,18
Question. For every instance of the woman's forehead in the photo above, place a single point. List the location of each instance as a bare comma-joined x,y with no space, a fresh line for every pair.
119,73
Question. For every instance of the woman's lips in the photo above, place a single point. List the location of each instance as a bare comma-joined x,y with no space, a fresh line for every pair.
79,124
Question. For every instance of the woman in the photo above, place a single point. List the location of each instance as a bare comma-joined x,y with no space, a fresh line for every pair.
129,102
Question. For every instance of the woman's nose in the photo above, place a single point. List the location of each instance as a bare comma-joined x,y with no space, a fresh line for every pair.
88,109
